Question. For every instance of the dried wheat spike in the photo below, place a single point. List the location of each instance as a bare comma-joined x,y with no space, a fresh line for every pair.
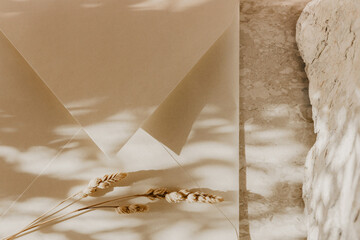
157,193
104,182
133,208
192,197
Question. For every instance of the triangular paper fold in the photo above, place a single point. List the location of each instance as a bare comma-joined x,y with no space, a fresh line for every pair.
144,77
111,63
211,82
202,112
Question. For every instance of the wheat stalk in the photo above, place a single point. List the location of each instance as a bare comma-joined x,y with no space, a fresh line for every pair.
42,217
90,207
182,195
104,182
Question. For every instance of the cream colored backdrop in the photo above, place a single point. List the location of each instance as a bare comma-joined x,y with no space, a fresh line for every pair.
92,87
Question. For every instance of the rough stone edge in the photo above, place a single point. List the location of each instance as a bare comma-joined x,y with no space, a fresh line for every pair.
309,57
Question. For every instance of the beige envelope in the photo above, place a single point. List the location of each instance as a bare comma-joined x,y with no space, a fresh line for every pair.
92,87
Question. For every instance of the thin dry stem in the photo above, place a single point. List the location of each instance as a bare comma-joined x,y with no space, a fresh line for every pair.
55,222
66,214
42,216
108,180
104,182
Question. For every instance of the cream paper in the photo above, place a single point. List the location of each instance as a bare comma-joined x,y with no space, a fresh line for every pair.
95,87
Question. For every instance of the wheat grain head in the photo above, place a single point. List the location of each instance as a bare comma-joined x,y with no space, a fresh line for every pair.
133,208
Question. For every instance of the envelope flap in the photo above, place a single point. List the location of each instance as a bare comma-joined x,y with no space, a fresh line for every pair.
112,62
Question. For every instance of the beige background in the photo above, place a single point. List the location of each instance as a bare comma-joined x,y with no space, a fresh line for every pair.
86,76
112,62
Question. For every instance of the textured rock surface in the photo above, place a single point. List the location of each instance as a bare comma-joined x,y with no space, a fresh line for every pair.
328,39
277,128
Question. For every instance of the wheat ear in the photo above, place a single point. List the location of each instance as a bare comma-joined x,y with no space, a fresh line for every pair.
104,182
133,208
152,194
182,195
156,193
192,197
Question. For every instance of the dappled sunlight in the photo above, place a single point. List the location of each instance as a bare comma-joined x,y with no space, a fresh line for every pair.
110,84
151,5
214,122
277,120
267,135
113,132
9,14
169,5
197,166
99,75
75,156
85,106
92,4
153,167
206,92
